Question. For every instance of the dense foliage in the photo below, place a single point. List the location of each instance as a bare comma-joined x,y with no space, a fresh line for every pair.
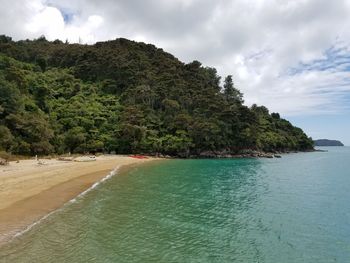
126,97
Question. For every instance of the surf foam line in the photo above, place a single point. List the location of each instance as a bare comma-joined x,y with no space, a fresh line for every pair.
82,194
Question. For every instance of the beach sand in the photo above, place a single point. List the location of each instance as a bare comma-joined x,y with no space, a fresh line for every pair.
29,191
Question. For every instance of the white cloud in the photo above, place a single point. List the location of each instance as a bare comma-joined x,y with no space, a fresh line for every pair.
258,42
44,21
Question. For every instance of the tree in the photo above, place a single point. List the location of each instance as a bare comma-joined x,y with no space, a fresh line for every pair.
275,115
10,98
178,144
231,93
42,63
75,139
32,131
6,139
5,39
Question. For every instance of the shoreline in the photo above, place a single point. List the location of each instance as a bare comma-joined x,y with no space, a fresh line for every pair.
31,192
240,155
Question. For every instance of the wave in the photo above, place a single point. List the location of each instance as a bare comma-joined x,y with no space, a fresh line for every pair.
82,194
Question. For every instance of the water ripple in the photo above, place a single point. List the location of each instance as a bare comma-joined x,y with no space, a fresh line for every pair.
289,210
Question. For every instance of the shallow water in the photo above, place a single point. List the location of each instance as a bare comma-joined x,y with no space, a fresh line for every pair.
294,209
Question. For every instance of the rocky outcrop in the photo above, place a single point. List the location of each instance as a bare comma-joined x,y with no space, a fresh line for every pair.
225,154
242,154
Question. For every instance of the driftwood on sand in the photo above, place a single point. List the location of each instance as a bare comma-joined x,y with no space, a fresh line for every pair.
66,159
40,162
78,159
85,159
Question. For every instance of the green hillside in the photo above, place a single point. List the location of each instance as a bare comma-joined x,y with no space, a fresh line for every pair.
126,97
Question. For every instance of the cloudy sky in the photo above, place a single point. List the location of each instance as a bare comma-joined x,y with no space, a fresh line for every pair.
291,56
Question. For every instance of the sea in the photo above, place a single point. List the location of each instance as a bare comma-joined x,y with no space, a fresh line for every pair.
293,209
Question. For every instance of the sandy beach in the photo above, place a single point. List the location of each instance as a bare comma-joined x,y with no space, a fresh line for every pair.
29,190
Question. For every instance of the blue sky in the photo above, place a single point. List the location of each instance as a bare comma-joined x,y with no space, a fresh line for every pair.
68,16
291,56
335,127
334,124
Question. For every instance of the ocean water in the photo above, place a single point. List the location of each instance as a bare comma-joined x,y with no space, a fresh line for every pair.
294,209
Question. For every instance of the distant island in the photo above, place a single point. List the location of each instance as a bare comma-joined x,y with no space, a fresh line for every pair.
126,97
326,142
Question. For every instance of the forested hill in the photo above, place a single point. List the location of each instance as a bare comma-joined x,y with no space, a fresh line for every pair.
326,142
126,97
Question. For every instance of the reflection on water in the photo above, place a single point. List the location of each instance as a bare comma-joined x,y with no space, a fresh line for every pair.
292,209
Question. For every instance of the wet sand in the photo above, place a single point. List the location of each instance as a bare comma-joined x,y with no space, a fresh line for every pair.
29,191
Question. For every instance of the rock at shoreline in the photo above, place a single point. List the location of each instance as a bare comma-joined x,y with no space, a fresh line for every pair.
242,154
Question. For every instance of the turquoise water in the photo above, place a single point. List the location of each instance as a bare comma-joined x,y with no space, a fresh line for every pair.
294,209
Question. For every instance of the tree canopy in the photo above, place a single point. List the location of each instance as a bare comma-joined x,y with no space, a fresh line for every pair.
126,97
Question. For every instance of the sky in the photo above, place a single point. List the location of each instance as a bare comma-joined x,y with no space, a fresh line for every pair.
291,56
